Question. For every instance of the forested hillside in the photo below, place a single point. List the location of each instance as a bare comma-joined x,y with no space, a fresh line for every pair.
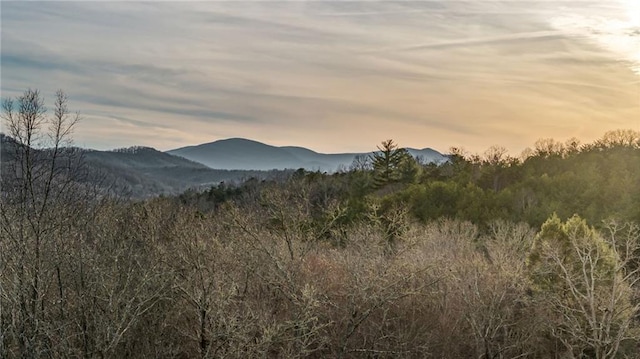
598,181
483,256
135,172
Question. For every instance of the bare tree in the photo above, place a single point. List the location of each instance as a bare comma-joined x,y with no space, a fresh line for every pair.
548,147
620,138
36,178
361,163
588,280
495,162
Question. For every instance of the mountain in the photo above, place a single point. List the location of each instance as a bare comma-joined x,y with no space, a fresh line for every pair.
146,171
139,171
7,146
240,153
427,155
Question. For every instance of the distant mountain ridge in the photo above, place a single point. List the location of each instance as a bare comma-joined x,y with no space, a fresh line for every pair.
244,154
145,171
139,171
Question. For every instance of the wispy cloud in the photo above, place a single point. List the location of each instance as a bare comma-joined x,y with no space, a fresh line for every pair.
334,76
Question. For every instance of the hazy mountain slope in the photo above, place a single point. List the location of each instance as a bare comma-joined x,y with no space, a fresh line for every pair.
427,154
142,157
237,153
147,171
144,171
312,160
139,171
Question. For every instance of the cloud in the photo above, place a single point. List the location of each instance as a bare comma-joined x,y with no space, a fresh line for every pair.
334,76
467,42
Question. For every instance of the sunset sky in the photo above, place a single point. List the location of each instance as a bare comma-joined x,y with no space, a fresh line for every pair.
333,76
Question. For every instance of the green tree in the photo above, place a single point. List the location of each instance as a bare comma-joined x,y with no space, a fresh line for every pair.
584,280
387,163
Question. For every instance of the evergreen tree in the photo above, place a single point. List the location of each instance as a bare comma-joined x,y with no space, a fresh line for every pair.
387,163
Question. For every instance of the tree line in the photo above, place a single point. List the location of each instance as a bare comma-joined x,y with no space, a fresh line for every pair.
477,257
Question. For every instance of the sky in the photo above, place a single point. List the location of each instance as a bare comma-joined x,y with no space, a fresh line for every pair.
333,76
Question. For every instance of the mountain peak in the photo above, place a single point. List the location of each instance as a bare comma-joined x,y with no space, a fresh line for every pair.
242,153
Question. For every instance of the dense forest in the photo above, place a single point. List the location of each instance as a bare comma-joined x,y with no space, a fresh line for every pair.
480,256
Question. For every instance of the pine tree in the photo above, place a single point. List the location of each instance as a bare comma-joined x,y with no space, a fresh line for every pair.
387,162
